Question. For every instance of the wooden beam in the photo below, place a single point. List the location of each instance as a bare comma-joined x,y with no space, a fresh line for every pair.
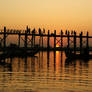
48,40
55,39
4,37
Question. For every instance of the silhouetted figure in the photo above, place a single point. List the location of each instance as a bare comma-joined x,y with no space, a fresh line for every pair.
33,31
28,30
72,32
66,32
61,32
43,30
39,31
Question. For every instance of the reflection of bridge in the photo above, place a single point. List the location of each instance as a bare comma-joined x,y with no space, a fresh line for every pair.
23,73
29,38
52,59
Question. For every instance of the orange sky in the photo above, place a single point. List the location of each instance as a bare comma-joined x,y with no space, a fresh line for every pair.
51,14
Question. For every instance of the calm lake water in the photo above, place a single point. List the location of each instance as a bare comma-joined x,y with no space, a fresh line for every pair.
46,72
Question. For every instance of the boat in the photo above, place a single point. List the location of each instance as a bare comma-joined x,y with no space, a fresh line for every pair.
84,54
13,52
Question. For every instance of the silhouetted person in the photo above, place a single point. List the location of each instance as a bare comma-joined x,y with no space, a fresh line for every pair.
33,31
66,32
72,32
61,32
39,31
28,30
43,30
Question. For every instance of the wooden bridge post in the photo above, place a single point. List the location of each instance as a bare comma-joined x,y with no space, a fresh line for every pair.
48,40
26,37
87,42
39,42
19,39
34,40
4,37
74,42
40,38
42,41
54,39
43,36
68,38
81,42
61,39
33,37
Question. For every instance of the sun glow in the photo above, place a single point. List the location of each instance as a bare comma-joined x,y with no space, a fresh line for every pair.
57,45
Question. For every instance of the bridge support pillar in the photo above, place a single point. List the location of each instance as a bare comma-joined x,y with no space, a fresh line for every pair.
19,39
61,39
74,42
81,42
4,37
87,42
48,40
68,40
54,39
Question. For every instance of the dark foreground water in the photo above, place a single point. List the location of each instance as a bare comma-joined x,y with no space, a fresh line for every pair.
47,72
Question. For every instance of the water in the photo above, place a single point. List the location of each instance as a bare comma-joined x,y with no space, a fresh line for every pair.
47,72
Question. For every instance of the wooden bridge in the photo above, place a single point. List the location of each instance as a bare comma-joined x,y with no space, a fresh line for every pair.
29,38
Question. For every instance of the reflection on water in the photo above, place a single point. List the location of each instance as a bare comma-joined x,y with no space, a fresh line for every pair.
47,72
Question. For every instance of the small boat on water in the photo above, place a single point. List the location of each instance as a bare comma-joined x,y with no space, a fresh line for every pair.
84,54
18,53
14,51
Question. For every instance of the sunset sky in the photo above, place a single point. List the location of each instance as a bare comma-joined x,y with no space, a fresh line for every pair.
50,14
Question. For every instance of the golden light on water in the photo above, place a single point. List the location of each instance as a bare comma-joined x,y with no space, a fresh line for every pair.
57,52
47,72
